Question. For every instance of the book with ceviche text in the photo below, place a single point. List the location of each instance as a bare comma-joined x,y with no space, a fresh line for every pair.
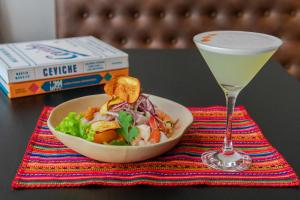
14,90
28,61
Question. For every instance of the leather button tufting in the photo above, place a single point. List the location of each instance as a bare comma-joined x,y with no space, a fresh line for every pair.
161,14
173,40
266,13
148,40
123,41
85,15
135,15
109,15
172,24
187,14
293,13
239,14
213,14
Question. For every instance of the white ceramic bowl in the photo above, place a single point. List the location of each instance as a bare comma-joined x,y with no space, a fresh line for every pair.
112,153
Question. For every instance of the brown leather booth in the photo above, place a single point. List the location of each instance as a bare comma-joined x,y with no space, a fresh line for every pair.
173,23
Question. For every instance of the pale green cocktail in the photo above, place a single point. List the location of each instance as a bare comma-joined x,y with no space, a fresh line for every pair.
234,58
233,72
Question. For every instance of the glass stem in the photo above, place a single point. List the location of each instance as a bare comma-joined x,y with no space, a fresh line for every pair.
231,97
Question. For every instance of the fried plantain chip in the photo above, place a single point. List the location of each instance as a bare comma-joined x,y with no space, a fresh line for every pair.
101,126
128,88
125,87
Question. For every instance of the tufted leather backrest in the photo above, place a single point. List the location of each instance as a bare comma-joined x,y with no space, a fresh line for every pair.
173,23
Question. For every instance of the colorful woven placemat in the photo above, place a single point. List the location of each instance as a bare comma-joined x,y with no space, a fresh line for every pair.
48,163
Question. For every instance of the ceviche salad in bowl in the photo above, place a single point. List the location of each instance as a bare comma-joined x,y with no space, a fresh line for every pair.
122,125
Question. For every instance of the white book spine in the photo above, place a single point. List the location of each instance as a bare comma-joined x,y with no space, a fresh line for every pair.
3,72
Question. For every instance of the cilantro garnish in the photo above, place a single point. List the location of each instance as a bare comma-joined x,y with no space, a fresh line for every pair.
118,142
127,130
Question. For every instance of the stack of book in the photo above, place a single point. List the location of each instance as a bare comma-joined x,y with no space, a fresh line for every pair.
46,66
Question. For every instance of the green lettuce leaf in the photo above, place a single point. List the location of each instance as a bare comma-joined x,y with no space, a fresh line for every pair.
73,125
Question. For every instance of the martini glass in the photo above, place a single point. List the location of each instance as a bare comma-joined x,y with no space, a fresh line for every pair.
234,58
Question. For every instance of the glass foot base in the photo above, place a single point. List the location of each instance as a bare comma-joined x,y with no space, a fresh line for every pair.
238,161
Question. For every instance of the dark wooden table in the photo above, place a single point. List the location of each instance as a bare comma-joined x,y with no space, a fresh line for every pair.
272,99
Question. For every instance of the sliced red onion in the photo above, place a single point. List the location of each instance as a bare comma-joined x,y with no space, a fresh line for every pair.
144,104
120,106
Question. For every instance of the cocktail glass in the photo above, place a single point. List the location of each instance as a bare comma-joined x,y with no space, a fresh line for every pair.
234,58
